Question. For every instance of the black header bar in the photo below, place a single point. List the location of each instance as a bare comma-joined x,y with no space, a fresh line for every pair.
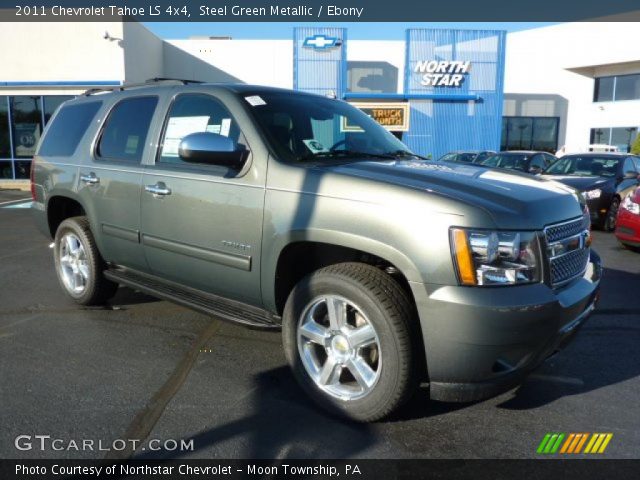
325,11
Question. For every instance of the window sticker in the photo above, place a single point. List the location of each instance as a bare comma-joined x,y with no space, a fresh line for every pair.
178,128
255,100
131,146
315,146
213,129
225,127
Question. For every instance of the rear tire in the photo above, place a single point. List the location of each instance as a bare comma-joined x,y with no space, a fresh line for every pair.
359,361
79,265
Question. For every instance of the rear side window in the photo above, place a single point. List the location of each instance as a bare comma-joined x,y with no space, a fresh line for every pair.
67,129
126,129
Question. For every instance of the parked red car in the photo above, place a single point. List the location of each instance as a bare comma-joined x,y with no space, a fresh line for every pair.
628,223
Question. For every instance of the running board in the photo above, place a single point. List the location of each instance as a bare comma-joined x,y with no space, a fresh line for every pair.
207,303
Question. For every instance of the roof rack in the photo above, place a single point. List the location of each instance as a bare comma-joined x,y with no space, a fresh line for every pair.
146,83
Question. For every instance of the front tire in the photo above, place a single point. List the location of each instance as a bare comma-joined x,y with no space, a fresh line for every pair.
612,216
79,265
347,336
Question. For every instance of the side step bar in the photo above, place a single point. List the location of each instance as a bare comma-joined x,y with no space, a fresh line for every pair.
209,304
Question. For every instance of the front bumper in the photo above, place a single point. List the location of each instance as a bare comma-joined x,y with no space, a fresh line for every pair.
628,228
480,342
598,209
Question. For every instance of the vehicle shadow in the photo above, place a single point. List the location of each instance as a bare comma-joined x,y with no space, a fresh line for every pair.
283,424
127,296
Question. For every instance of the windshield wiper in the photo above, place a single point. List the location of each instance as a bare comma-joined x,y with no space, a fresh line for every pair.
346,154
405,154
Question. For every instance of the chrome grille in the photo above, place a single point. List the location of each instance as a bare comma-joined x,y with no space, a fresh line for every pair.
567,250
568,266
567,229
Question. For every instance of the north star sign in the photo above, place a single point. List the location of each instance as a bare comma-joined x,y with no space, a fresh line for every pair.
442,73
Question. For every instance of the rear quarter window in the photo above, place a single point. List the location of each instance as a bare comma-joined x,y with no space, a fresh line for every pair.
67,129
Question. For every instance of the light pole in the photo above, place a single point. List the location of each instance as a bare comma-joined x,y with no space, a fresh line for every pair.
630,130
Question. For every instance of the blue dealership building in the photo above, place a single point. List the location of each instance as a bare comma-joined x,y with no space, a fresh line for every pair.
566,85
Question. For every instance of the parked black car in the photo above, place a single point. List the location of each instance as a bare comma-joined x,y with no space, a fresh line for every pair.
602,178
466,156
521,160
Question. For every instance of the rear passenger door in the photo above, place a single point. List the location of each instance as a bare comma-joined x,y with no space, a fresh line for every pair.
204,229
111,182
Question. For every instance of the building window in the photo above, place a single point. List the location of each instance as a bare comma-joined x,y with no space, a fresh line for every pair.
621,137
530,133
372,77
22,119
26,125
5,144
617,88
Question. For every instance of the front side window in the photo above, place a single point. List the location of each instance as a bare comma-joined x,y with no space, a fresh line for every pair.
195,113
125,132
305,127
629,166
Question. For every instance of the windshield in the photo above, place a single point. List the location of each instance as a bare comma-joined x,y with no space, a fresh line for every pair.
509,161
304,127
462,157
577,166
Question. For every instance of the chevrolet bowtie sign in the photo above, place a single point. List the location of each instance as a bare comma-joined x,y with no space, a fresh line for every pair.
321,42
442,73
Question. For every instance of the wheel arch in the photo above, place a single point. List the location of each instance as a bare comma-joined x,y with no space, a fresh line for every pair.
305,251
60,207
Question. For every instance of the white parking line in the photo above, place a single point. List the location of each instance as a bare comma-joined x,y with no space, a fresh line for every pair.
15,201
557,379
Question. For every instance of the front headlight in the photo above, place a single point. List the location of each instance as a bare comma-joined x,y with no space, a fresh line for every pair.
631,206
591,194
487,258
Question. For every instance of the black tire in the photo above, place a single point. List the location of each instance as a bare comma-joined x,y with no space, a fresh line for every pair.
612,215
389,311
98,289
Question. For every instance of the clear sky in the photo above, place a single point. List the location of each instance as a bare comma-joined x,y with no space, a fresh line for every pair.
359,31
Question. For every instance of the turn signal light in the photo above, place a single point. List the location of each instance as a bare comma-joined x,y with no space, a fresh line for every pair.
462,252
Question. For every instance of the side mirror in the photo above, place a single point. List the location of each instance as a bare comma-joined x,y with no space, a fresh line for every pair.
212,149
535,169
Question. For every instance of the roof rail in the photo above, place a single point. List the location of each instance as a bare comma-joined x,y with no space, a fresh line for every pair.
146,83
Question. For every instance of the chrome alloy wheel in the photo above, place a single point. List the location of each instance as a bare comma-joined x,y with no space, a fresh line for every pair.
74,267
339,347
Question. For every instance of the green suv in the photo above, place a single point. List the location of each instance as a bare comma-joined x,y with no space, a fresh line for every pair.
280,209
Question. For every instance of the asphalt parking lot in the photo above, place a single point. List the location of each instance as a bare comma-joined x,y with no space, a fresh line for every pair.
146,369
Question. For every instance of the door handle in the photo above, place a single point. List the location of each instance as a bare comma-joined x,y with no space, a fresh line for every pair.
158,189
90,179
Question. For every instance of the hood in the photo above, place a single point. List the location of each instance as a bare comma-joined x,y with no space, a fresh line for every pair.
581,184
513,200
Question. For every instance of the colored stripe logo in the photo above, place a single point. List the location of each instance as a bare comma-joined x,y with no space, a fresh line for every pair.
574,443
